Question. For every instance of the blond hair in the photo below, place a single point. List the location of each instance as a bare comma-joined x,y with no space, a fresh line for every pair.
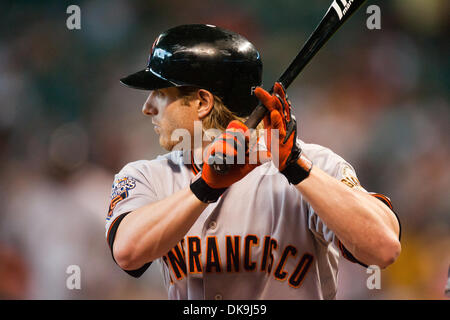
219,117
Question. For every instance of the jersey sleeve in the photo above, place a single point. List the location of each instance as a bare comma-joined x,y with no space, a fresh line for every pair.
346,174
130,190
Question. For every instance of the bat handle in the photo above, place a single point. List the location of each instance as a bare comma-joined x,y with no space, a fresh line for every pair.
256,116
218,163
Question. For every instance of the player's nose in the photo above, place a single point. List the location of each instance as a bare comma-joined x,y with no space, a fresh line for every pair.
149,108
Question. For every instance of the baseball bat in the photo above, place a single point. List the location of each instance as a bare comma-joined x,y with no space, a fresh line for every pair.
336,15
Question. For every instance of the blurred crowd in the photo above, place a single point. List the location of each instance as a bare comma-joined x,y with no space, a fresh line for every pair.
379,98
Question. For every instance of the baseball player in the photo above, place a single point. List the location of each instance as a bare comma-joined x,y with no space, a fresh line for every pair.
247,233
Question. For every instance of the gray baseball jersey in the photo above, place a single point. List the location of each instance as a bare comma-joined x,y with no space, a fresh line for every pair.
260,240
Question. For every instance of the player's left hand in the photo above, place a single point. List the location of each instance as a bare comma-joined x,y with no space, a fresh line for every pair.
280,118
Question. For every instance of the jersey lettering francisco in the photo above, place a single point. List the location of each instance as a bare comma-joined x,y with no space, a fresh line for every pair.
260,240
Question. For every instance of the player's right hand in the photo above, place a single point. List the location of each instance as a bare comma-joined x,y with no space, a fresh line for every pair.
230,145
291,162
280,118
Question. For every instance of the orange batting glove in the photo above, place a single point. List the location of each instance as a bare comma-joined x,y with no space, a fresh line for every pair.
232,146
292,164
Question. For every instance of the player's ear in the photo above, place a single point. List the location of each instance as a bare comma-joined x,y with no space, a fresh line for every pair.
205,103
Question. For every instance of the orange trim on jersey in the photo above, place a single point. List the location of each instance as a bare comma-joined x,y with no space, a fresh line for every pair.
265,253
251,264
273,245
114,202
343,251
305,264
383,198
279,273
233,254
175,263
198,255
348,255
194,168
388,202
217,264
165,261
341,248
110,227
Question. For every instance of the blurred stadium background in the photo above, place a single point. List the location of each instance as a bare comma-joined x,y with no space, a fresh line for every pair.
379,98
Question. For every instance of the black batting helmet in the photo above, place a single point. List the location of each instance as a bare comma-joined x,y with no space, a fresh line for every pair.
204,56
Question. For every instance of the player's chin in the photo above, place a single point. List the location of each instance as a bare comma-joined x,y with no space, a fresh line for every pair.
166,143
170,142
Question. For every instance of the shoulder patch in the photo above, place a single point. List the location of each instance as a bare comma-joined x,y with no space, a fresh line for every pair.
122,185
119,192
349,177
